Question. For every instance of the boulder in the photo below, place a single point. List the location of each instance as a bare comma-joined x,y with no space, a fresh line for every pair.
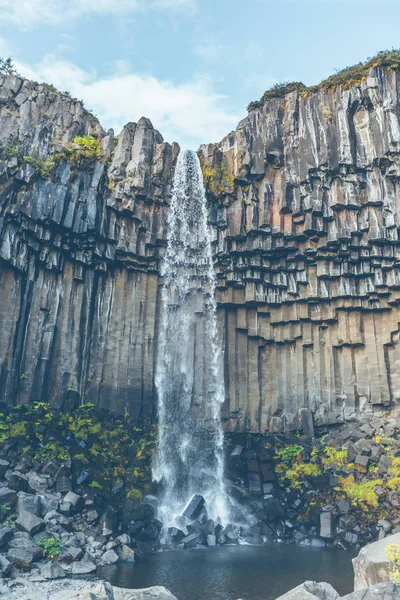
372,566
194,508
5,535
311,590
4,465
83,567
22,559
126,554
386,590
28,545
53,571
8,497
18,482
28,502
110,557
326,525
76,501
152,593
29,522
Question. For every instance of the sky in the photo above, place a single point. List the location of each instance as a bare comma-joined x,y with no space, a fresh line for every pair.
191,66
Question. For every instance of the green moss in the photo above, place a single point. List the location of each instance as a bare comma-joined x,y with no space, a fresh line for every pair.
134,494
217,180
286,453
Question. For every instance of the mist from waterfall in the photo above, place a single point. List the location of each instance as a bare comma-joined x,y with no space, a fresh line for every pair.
189,369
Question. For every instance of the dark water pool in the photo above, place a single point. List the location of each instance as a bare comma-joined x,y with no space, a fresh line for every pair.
232,572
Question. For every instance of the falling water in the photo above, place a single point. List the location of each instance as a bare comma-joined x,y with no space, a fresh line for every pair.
189,373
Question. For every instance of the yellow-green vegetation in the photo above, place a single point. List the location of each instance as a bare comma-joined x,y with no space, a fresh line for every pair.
301,471
83,151
345,78
109,447
217,180
51,547
393,554
294,466
332,455
361,495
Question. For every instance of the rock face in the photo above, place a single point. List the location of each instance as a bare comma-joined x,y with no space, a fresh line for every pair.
78,252
303,202
306,225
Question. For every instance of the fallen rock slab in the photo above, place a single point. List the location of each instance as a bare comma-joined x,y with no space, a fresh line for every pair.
151,593
386,590
372,566
311,590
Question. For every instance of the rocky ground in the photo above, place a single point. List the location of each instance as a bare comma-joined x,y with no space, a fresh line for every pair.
73,497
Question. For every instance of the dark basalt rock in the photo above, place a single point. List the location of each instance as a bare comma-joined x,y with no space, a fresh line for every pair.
194,508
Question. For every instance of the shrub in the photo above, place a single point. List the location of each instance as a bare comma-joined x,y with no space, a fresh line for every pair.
362,494
346,78
51,547
288,452
7,66
393,554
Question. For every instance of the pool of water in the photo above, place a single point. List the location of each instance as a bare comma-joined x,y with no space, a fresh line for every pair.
233,572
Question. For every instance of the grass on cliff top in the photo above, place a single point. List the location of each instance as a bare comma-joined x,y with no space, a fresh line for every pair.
346,78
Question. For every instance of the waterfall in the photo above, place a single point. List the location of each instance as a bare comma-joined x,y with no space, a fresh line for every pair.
189,370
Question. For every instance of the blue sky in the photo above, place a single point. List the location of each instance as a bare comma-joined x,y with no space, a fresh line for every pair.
191,66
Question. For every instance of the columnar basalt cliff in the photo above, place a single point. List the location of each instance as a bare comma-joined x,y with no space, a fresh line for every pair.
304,204
307,197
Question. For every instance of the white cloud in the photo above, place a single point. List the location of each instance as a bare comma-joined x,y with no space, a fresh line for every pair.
189,113
28,13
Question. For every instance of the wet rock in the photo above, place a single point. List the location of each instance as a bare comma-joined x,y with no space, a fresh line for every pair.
211,540
175,534
231,533
126,554
191,540
29,522
194,508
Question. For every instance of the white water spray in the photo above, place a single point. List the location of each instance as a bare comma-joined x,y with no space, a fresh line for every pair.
189,371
